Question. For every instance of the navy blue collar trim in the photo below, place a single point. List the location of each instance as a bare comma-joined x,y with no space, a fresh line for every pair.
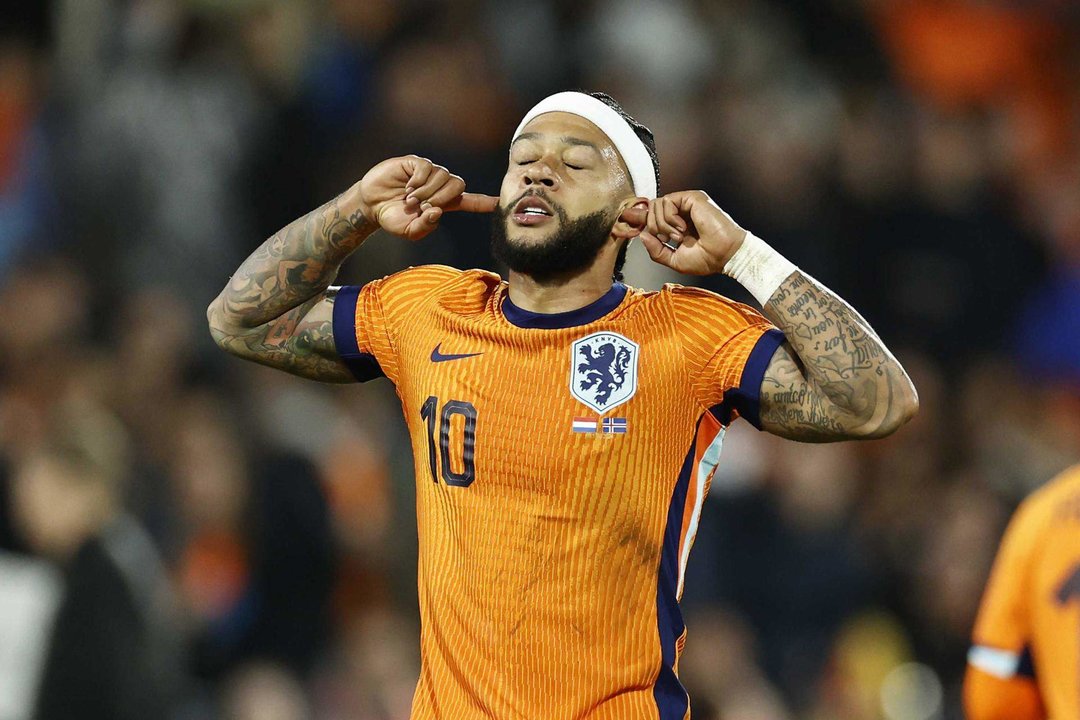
572,318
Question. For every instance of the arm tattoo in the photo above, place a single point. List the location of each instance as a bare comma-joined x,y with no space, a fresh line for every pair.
834,379
294,265
293,342
265,313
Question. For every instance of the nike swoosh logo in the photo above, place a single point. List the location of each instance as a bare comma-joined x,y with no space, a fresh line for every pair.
437,356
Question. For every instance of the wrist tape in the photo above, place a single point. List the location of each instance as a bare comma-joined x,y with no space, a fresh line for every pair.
759,268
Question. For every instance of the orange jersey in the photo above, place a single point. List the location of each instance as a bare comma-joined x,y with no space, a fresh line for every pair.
1028,630
561,462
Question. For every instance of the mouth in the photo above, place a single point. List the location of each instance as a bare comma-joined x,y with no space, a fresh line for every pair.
531,211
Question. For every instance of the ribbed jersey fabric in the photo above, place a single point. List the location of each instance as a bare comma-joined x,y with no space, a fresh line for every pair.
561,463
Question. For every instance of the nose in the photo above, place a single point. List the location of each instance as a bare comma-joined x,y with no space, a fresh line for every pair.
540,173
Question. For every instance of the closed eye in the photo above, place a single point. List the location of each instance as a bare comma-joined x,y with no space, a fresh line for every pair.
573,167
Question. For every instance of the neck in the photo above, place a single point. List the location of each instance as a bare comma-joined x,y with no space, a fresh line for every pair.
560,294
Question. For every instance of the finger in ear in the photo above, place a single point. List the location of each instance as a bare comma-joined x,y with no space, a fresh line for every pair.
632,220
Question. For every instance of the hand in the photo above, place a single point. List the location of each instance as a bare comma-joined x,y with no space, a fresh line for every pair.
408,195
689,233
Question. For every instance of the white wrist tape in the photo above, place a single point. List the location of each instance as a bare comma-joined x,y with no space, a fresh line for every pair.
759,268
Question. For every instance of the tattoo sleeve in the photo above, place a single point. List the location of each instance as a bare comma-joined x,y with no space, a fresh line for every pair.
833,379
276,309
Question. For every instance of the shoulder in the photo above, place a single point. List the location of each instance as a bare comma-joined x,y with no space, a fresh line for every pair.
425,284
426,276
440,276
1056,500
691,300
428,279
1042,511
1065,484
699,312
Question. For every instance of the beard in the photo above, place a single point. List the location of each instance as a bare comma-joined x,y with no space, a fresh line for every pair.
572,247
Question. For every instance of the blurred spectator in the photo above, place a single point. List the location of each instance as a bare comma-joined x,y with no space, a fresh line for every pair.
156,142
1007,56
264,692
255,567
784,558
113,650
27,191
375,676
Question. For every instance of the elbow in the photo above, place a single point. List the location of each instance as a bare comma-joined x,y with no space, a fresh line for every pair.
901,408
217,329
905,407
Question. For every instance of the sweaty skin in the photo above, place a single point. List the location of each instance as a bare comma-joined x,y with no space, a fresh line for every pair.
568,161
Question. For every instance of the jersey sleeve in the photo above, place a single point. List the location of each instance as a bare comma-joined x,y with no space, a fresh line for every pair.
727,347
368,318
1000,675
988,697
1002,634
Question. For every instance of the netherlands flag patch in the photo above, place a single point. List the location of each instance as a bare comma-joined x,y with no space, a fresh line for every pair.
615,425
584,425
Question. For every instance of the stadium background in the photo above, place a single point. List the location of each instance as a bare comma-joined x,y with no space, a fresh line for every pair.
918,156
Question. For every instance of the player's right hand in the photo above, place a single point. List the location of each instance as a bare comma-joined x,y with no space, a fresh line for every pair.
408,195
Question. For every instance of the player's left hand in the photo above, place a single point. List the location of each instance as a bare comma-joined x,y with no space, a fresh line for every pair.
689,233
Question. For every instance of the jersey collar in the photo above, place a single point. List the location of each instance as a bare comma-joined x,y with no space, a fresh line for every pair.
572,318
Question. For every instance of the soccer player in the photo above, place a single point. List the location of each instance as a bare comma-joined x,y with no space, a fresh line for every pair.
565,426
1024,662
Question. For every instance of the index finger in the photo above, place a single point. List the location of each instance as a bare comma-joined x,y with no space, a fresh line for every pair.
691,200
474,202
634,216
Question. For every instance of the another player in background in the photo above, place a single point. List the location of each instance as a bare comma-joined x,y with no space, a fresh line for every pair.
565,427
1024,662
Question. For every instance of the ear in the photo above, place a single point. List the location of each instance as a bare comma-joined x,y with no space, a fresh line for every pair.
632,219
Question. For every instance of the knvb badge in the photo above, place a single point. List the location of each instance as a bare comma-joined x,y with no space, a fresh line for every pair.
603,370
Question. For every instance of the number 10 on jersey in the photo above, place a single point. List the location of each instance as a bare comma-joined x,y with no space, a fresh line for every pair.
429,411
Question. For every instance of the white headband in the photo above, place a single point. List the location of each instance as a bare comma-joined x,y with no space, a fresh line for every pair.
622,136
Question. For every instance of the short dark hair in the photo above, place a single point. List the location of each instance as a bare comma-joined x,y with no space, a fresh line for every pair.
646,136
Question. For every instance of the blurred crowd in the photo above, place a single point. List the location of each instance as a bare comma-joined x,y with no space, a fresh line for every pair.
186,536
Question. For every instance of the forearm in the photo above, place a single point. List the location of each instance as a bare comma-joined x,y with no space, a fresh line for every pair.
832,379
293,266
300,341
865,391
277,309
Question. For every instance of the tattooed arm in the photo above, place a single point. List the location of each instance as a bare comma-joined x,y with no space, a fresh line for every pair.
833,379
278,308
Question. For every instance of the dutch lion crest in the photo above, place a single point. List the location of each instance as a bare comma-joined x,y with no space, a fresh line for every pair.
603,370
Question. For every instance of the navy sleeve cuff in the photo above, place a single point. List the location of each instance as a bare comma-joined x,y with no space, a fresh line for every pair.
362,365
746,398
1026,668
